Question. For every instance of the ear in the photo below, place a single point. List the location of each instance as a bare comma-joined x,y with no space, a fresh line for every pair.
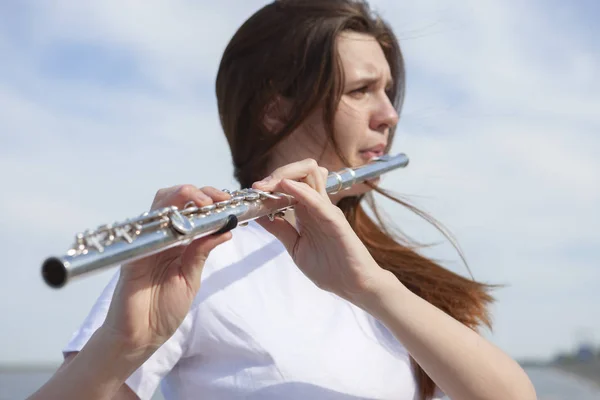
277,114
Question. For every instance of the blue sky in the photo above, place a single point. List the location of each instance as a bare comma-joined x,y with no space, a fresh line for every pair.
102,103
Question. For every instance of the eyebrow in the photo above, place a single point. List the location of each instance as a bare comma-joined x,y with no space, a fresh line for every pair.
371,80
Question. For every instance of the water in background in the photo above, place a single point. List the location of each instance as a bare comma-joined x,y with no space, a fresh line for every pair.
550,385
20,384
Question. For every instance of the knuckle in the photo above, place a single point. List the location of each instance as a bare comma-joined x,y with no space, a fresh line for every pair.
324,171
276,172
163,193
312,163
162,197
338,213
186,191
160,193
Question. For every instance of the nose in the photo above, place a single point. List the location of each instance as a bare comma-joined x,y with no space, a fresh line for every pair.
384,115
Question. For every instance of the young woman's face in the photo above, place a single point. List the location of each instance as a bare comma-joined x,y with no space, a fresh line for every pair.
364,116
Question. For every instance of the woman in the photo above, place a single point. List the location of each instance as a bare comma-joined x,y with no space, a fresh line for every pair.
322,304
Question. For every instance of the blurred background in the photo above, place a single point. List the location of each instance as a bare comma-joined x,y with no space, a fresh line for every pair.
104,102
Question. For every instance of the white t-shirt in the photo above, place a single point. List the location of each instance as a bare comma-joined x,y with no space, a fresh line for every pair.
259,329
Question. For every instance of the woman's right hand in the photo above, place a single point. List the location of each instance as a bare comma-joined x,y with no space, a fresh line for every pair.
154,294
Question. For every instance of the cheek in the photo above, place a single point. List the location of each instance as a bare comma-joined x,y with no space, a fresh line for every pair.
351,129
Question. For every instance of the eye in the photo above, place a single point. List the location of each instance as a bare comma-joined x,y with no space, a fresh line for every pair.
360,92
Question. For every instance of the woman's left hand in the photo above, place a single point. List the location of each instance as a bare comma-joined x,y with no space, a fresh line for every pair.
323,245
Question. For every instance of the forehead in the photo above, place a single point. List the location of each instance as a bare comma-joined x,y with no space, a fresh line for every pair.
361,55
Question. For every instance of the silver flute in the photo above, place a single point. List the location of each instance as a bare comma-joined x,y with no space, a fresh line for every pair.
160,229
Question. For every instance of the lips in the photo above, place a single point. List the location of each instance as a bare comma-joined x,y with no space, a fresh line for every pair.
372,152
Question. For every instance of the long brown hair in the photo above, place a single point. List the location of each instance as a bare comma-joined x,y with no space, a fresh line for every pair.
288,48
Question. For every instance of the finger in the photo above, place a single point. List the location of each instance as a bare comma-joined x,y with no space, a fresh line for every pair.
315,180
282,230
305,195
297,170
322,174
215,194
179,196
306,170
196,253
311,180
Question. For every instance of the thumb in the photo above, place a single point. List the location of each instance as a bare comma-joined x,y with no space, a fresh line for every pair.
282,230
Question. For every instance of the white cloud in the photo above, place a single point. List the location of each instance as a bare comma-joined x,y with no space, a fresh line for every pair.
176,43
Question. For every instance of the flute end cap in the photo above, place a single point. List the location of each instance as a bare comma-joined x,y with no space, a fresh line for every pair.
54,272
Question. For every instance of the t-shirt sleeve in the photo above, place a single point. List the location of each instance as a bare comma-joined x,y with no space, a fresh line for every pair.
146,379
